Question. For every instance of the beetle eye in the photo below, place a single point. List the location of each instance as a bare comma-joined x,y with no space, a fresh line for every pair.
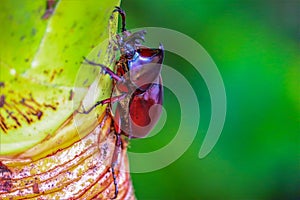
145,52
129,56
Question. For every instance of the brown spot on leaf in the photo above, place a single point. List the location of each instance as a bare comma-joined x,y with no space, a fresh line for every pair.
25,110
53,75
50,106
2,100
71,95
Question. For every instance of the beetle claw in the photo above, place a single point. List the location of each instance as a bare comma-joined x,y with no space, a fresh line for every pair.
161,47
83,112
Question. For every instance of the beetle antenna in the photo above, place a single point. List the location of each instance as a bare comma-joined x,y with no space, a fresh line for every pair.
123,15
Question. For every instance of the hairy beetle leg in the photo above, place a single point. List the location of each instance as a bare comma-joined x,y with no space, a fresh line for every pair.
102,102
105,69
117,152
123,15
115,182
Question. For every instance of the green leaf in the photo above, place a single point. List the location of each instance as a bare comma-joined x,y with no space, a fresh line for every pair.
40,60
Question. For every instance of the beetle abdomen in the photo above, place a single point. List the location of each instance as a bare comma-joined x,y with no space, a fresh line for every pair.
145,110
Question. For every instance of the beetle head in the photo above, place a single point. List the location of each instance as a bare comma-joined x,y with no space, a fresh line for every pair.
128,42
145,66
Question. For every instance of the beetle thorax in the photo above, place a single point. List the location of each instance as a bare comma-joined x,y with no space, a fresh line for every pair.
128,42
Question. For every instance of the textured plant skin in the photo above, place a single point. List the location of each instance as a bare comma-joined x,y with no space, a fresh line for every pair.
80,171
47,149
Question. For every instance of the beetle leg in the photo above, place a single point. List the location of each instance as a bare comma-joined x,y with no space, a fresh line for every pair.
102,102
123,15
117,152
49,9
105,69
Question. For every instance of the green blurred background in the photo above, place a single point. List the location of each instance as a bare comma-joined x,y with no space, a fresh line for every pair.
255,45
